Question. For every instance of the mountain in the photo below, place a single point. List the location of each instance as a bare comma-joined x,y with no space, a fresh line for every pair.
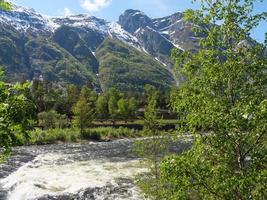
76,49
124,66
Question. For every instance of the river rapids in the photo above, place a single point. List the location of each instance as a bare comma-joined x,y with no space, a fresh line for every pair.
89,171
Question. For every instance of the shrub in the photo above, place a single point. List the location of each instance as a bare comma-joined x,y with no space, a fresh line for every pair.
53,135
104,133
52,119
90,134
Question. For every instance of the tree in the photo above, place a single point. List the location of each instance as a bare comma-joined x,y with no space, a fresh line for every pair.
151,92
113,108
5,5
133,105
123,109
152,150
83,114
225,108
15,114
72,96
84,109
46,95
89,93
114,96
102,107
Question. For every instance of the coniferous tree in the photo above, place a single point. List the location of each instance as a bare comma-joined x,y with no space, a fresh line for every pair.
84,110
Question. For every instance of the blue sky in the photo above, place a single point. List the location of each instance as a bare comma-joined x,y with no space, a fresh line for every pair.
111,9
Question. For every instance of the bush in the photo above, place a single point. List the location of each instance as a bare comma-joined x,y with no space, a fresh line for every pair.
91,135
53,135
52,119
106,133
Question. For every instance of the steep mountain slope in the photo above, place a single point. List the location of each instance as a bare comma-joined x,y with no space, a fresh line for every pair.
159,36
28,51
69,39
74,49
124,66
25,57
26,20
12,53
55,64
174,28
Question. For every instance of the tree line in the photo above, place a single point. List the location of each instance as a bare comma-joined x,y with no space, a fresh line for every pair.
62,107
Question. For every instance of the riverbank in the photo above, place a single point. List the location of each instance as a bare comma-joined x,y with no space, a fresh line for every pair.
73,135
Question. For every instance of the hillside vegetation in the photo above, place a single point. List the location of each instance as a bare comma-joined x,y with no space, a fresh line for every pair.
128,69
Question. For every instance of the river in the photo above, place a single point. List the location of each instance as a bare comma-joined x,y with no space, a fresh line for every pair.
88,171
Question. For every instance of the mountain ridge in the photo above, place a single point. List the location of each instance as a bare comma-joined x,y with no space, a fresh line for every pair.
53,47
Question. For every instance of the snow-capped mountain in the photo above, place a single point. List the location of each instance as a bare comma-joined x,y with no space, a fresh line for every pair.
172,31
154,36
24,19
70,48
81,20
28,20
101,26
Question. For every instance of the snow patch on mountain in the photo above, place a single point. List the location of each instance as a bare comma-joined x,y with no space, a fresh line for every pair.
23,19
162,35
138,13
85,21
116,31
171,25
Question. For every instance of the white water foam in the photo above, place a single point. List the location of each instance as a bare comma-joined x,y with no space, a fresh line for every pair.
46,175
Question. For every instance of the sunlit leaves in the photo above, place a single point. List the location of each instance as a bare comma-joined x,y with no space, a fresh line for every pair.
15,112
223,101
5,5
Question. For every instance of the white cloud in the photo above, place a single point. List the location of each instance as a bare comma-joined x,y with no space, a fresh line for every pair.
95,5
67,12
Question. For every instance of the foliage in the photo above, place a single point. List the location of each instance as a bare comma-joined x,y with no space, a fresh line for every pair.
45,95
69,39
123,109
5,5
102,107
151,121
67,99
152,150
108,133
112,107
52,119
84,109
28,56
114,96
15,113
51,136
132,107
127,108
225,108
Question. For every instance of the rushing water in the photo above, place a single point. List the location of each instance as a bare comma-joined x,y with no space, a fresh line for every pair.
97,171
